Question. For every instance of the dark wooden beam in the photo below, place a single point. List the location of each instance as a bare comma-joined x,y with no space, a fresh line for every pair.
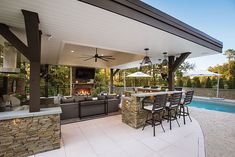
46,78
115,72
34,47
111,81
171,76
33,35
112,74
179,61
34,83
14,40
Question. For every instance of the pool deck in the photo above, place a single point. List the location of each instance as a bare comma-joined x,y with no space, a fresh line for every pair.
219,131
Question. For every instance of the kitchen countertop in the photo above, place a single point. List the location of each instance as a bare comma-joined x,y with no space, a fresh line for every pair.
25,113
154,93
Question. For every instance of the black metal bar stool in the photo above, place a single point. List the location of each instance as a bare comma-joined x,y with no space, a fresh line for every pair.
172,108
184,105
155,106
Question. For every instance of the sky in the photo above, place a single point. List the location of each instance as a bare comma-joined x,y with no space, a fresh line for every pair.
213,17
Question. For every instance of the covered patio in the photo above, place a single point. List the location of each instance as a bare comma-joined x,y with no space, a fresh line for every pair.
62,33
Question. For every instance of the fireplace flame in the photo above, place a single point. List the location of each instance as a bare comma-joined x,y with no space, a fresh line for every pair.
84,91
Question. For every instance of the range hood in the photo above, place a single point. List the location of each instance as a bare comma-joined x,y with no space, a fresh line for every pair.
9,60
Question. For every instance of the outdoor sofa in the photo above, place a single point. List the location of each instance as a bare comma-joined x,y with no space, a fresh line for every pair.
84,106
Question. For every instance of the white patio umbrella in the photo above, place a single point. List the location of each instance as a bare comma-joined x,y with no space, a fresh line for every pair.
138,74
204,73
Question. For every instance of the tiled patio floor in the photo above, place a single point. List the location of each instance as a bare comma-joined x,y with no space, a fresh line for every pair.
109,137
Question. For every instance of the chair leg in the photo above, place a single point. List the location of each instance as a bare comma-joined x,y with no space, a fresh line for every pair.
161,117
170,117
188,114
180,111
153,124
177,122
162,127
184,114
176,117
145,121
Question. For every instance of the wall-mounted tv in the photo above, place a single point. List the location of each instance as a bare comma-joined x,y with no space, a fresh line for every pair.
84,73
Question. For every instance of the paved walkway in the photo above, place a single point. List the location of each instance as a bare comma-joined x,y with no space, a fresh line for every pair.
219,131
105,137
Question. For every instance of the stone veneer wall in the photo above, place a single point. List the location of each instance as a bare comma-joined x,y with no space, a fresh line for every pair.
211,92
26,136
132,113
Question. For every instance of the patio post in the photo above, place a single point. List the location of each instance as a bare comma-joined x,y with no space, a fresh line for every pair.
171,74
173,65
46,79
112,74
34,48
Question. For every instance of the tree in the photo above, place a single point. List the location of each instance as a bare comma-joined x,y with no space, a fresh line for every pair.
184,67
230,53
189,83
180,82
196,82
208,83
101,80
221,83
59,79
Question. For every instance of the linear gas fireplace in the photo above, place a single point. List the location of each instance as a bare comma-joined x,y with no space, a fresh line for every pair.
83,91
82,88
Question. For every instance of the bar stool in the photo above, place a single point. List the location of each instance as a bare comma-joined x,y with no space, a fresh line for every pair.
155,107
172,106
184,104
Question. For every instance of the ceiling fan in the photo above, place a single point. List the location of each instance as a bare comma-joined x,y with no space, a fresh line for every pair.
97,56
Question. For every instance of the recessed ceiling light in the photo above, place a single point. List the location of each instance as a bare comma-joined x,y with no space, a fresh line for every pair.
72,51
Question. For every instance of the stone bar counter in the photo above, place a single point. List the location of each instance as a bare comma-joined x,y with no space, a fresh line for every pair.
24,134
132,112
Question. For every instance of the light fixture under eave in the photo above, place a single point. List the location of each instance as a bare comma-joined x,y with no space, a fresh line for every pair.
146,60
164,61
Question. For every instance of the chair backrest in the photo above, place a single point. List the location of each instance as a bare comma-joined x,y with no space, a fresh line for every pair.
147,101
178,88
188,97
160,101
175,99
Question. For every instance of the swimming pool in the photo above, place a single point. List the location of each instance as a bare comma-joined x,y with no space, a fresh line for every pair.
217,106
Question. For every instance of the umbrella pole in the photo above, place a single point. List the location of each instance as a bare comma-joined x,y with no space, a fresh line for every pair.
124,80
217,93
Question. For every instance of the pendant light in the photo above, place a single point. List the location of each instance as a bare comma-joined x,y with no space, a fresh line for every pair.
164,61
146,60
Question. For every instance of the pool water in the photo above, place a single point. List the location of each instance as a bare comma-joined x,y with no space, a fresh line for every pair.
217,106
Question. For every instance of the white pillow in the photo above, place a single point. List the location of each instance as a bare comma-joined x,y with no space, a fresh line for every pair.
57,99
